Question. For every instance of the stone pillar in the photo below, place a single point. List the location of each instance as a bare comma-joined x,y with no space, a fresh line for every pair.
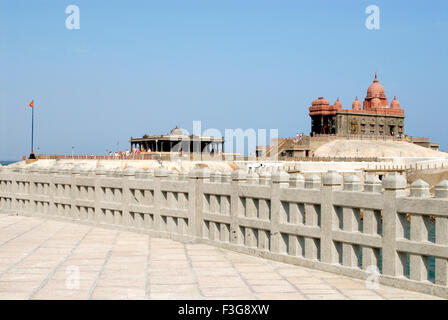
252,178
264,178
53,172
394,185
297,180
372,184
371,256
419,189
311,218
198,177
351,220
75,194
331,181
419,232
100,174
13,191
225,177
183,176
313,182
128,175
280,180
321,124
33,188
239,177
159,174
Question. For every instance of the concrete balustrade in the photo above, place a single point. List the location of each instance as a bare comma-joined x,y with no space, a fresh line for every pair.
329,223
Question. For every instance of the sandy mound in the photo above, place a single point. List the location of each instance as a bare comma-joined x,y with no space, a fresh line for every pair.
371,148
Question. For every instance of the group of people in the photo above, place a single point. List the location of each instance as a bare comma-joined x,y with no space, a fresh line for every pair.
299,136
128,154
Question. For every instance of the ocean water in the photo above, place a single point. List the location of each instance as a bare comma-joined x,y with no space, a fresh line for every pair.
5,163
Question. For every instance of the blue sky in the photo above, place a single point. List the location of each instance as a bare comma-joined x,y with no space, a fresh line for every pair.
137,67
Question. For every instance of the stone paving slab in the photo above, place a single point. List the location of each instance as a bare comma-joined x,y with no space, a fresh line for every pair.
47,259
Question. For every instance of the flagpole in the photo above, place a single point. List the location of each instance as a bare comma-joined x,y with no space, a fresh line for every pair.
32,156
32,129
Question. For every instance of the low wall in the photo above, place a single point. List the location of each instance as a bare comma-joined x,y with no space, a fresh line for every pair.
331,225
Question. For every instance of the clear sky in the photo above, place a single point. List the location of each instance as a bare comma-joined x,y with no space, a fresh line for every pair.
137,67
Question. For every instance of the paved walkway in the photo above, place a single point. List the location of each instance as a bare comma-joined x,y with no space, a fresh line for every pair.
46,259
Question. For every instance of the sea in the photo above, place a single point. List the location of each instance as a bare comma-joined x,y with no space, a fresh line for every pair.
5,163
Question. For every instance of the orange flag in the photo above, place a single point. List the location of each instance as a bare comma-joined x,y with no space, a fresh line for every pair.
31,104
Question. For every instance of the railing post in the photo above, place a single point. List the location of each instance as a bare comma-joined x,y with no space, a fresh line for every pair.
371,256
312,218
33,189
128,174
264,178
351,222
159,174
239,176
331,181
53,172
419,233
99,176
280,179
73,210
394,185
198,177
13,190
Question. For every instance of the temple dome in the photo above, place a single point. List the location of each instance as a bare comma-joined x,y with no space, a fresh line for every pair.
320,101
338,104
356,105
176,131
375,90
395,104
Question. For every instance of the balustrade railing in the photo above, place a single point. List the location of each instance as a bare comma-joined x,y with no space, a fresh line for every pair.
339,226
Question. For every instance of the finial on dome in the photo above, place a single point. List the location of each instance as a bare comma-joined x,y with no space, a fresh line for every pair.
376,78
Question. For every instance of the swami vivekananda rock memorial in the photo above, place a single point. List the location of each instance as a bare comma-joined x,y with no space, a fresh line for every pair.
355,210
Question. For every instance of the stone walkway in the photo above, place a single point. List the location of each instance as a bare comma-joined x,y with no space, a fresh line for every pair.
46,259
